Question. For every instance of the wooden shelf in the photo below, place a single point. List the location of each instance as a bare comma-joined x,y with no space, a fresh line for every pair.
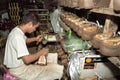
106,11
44,19
115,61
43,14
37,10
42,24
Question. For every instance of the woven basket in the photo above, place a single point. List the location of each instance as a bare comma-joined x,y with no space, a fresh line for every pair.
98,38
75,4
73,21
116,5
81,26
76,24
86,4
110,47
89,32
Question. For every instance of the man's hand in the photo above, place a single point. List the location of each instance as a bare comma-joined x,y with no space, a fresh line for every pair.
33,57
39,38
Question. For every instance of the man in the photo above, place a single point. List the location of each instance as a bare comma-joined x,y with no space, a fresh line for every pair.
18,59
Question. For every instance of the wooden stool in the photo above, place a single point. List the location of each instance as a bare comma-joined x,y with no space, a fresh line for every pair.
3,69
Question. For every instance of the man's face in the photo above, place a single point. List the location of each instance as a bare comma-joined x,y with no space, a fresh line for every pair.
32,28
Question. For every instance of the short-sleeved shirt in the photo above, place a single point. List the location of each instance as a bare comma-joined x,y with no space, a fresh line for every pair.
15,48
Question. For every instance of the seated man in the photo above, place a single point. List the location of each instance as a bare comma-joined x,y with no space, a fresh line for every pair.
18,59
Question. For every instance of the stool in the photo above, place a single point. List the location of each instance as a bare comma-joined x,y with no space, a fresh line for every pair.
3,69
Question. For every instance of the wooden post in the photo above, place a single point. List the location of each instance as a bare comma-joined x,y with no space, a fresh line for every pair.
110,25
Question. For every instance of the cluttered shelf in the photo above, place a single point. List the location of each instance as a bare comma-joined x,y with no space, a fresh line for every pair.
106,11
38,9
71,20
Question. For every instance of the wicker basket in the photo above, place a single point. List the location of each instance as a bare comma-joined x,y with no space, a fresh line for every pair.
73,21
76,25
116,5
70,20
86,4
98,38
89,32
81,26
75,4
110,47
64,61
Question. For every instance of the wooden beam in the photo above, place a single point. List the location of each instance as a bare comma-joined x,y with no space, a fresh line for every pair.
110,25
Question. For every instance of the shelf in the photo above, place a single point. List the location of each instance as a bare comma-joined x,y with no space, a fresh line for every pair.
115,61
37,9
43,14
44,19
106,11
43,24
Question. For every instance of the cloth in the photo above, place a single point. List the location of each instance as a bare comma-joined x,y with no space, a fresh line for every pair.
15,48
36,72
8,76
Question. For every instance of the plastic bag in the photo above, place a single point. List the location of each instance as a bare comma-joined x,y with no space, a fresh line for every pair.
8,76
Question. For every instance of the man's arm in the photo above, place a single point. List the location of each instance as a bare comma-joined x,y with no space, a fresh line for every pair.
33,57
38,38
29,40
